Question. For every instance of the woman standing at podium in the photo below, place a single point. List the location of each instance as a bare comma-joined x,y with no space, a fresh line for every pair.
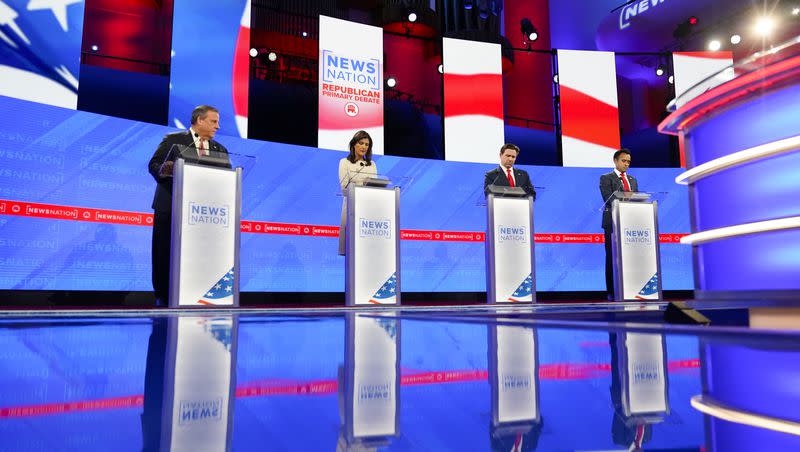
356,168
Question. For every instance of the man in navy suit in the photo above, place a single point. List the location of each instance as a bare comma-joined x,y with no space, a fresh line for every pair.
200,147
617,180
506,175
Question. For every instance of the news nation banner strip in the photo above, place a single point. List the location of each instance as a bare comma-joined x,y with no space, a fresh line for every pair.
350,83
589,107
473,101
59,212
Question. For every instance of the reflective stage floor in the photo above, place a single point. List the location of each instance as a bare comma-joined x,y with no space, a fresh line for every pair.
601,377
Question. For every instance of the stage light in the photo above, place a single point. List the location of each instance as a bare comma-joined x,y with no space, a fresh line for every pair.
412,17
391,82
684,29
468,4
714,45
671,79
95,48
528,30
795,11
304,34
441,69
253,52
660,70
764,26
272,56
736,39
555,79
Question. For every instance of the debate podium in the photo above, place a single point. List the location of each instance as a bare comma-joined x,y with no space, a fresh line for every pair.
636,257
206,216
372,237
510,268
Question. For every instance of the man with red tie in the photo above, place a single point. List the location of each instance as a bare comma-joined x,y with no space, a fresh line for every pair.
198,147
617,180
508,176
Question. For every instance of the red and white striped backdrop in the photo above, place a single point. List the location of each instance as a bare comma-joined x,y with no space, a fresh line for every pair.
473,101
589,108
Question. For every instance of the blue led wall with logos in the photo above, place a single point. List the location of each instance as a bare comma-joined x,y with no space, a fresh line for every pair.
70,158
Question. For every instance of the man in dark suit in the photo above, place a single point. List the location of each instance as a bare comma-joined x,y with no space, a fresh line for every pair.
199,147
506,175
617,180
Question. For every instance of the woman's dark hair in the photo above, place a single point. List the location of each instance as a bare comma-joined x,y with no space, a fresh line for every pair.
360,135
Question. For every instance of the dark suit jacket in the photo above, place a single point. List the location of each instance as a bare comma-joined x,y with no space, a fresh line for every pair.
499,177
609,183
162,200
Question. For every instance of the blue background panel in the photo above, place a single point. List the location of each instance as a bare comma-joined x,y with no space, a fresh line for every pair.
63,157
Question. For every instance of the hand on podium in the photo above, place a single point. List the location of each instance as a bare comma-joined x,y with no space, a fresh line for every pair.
166,169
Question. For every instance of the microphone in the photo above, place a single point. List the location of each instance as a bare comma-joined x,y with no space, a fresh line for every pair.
344,187
361,163
486,188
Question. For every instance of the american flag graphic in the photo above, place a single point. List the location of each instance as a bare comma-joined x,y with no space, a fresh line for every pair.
650,290
222,289
40,49
523,292
389,325
387,292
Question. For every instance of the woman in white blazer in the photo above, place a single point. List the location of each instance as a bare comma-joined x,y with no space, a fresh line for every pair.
355,168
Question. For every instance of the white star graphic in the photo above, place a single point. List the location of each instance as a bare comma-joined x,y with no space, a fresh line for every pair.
226,279
58,7
7,16
228,288
218,286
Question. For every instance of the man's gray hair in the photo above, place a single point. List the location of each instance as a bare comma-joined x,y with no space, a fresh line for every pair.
201,111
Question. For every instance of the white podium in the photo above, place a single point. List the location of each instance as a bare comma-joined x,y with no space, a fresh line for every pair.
510,273
206,211
635,252
372,272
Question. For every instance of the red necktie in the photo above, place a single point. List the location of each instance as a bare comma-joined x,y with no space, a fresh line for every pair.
625,185
201,151
510,179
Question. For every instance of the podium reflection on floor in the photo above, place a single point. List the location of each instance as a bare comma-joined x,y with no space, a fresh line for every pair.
190,383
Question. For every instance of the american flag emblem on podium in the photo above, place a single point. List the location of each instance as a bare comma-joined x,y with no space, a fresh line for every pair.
650,290
221,289
524,291
387,291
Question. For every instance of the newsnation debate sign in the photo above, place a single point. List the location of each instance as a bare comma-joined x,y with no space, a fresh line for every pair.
350,83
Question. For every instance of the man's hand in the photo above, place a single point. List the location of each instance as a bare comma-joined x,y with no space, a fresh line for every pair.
166,169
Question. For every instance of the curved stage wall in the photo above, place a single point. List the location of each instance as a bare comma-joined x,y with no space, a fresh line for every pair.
75,210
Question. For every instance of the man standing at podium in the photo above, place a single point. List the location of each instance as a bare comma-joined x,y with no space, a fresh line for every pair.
506,175
617,180
200,143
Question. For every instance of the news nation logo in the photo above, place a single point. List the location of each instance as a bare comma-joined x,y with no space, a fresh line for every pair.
374,228
350,70
635,8
368,392
209,214
516,382
195,411
636,236
518,234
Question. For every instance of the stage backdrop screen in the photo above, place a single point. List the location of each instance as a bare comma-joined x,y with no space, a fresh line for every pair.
350,83
75,212
210,62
